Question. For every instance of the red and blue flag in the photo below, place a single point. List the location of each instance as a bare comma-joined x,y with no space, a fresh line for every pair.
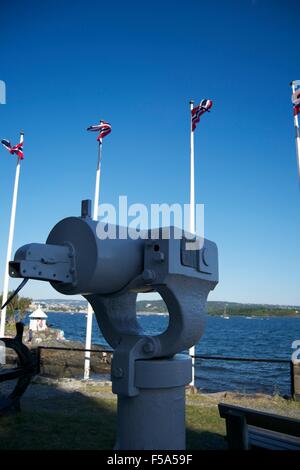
104,128
13,150
197,112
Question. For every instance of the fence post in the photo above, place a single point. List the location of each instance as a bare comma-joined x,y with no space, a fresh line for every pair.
295,380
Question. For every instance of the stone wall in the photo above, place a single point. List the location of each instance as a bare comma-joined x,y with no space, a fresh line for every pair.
57,363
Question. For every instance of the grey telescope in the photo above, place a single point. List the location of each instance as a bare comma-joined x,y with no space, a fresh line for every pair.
149,373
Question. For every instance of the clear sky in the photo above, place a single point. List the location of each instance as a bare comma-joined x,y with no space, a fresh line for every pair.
137,64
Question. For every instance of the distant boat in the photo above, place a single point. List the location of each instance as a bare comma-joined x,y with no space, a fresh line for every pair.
225,316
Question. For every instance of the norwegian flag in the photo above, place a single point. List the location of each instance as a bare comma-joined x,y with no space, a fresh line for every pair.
296,109
296,100
197,112
104,128
15,150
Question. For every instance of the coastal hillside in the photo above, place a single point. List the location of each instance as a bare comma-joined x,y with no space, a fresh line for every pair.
158,306
227,308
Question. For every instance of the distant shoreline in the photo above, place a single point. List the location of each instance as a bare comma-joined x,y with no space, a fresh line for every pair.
249,315
158,307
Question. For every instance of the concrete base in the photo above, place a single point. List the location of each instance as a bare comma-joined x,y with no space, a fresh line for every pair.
155,419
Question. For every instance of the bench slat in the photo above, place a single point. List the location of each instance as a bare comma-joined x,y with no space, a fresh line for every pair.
264,420
248,428
11,374
271,440
274,434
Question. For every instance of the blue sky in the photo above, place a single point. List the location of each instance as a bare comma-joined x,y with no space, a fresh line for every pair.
137,64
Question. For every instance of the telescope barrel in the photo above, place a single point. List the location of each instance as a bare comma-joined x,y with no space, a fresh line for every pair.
75,260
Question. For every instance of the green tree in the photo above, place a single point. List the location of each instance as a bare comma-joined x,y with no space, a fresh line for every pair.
18,303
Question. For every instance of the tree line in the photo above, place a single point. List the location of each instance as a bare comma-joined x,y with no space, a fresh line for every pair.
16,308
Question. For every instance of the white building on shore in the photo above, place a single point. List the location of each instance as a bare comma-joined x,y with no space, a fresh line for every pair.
38,320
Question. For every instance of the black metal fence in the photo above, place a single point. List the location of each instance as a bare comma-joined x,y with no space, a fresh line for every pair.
200,357
64,365
58,348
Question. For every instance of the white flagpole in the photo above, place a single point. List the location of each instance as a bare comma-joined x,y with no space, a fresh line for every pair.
192,174
192,215
89,322
10,241
296,124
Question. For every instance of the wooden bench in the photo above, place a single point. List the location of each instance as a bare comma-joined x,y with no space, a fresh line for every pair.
252,429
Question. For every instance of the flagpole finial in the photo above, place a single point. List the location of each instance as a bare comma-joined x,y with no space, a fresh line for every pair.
22,132
192,101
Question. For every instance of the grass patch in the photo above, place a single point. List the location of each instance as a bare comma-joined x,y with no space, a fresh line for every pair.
205,428
75,425
83,416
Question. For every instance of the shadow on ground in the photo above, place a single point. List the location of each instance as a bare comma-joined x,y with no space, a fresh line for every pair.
205,440
55,418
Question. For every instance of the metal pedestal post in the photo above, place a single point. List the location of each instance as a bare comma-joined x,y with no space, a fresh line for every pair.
155,418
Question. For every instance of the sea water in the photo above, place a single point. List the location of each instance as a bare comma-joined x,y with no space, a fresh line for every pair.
238,336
